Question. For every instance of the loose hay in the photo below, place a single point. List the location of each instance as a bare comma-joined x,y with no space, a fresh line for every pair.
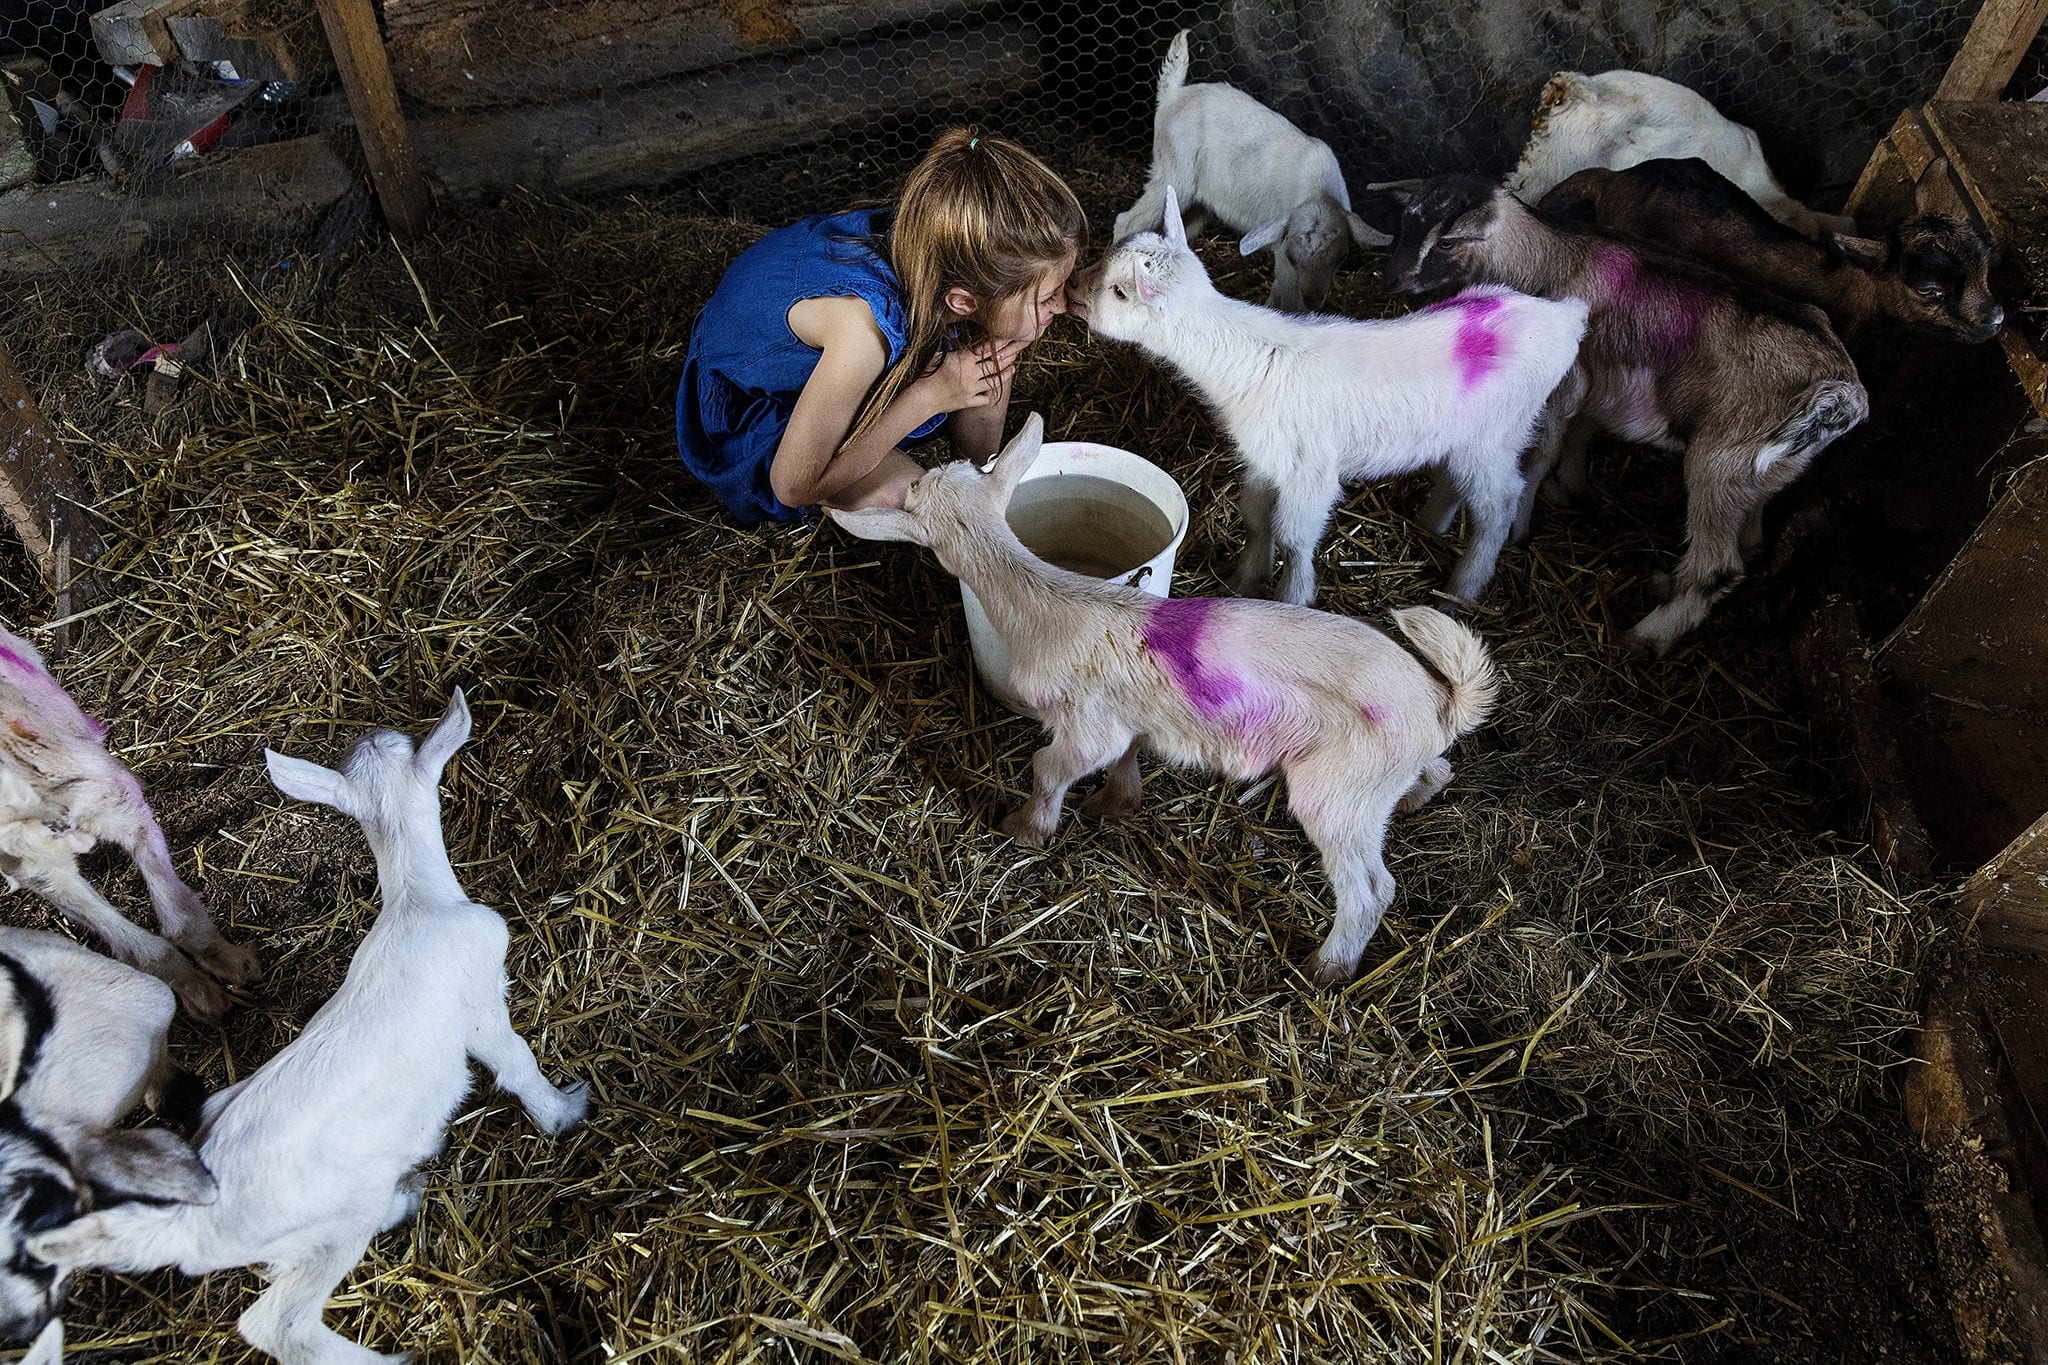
874,1083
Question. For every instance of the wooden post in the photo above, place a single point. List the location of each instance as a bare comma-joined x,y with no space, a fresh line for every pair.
366,76
2009,894
39,489
1992,49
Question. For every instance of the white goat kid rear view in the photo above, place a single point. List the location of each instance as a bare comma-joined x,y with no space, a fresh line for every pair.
1357,724
1315,403
320,1148
1619,119
1263,177
61,792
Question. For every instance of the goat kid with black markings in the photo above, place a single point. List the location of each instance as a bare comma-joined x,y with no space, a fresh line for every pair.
1750,386
1929,273
1357,724
81,1043
321,1148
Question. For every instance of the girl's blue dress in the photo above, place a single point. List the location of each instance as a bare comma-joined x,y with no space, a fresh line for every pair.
745,367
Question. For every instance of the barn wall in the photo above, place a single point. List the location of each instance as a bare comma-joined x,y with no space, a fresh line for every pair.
1412,87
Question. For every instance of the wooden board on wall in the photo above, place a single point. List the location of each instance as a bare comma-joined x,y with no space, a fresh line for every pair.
467,54
1971,663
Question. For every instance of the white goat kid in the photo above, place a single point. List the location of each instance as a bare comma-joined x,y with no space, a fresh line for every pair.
81,1043
321,1147
61,792
1357,724
1258,173
1619,119
1315,403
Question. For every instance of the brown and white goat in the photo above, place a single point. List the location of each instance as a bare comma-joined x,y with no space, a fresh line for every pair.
1929,272
1750,386
1357,724
61,792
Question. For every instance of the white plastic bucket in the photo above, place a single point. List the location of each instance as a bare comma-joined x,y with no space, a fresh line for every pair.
1092,509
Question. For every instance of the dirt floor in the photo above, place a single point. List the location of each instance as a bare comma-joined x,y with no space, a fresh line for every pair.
1618,1079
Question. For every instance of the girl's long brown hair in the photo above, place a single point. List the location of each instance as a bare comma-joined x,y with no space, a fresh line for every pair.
977,213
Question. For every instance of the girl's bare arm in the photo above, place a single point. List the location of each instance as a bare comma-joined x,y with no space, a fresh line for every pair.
808,466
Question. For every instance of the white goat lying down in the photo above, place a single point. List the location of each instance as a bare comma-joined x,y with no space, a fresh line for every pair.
81,1042
1315,403
1357,724
61,792
1619,119
320,1148
1258,173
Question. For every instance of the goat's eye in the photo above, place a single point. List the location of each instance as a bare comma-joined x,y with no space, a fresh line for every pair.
1118,290
1929,291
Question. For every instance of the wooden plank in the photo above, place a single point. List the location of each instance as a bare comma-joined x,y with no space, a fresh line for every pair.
274,188
654,133
40,491
470,54
1833,663
366,76
132,33
1986,1235
2009,894
1970,663
1992,50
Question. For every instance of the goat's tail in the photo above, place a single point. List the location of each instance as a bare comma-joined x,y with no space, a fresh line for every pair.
1458,657
1173,72
1825,411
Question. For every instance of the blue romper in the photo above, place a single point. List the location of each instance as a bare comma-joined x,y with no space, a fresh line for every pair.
745,367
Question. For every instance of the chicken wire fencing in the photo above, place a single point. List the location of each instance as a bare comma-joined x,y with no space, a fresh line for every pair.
153,131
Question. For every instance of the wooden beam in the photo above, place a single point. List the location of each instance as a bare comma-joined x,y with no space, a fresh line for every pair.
366,76
1998,38
40,491
2009,894
647,136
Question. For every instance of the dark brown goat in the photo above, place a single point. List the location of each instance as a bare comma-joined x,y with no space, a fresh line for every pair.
1750,386
1929,272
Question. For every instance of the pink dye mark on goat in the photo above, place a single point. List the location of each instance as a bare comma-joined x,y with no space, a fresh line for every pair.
34,679
1174,631
1375,715
1477,349
1677,307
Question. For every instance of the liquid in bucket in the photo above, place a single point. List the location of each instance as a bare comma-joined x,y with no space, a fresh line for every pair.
1088,525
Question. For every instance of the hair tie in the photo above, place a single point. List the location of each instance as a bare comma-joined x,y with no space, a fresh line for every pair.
971,142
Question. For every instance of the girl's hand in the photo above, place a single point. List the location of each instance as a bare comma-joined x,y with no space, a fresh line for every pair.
971,377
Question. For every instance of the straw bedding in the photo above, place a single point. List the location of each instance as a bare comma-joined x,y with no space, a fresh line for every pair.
874,1083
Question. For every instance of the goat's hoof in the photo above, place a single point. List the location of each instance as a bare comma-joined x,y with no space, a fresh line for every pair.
1019,826
234,963
200,996
572,1109
1110,804
1326,970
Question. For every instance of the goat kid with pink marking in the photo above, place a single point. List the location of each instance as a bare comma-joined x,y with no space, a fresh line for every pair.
1357,724
1313,403
1750,386
1930,273
61,792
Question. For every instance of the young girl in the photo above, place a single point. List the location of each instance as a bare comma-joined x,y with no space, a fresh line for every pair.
833,341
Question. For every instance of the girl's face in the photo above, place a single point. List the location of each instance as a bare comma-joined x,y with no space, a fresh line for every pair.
1025,316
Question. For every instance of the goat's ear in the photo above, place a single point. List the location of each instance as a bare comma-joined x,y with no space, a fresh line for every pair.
295,777
1933,192
1017,457
1867,252
149,1164
879,523
1364,233
48,1347
1261,237
1176,232
450,733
